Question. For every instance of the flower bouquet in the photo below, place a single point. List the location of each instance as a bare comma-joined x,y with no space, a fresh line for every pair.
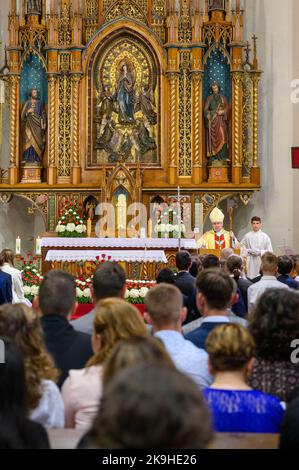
31,276
137,290
71,223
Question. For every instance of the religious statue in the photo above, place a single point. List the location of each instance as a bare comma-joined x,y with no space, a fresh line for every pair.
34,6
218,238
34,120
125,95
216,112
145,141
146,102
106,105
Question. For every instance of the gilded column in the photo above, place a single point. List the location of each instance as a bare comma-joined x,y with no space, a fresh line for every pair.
197,123
76,169
14,82
255,170
52,135
173,126
237,128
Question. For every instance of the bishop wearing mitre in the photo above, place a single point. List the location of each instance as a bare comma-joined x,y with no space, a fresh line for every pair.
218,238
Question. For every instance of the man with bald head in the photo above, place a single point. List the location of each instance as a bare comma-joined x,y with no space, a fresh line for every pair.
165,312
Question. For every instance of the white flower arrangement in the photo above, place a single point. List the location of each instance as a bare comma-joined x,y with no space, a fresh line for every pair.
71,224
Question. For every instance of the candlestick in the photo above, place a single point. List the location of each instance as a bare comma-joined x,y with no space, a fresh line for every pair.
150,228
18,246
38,246
88,227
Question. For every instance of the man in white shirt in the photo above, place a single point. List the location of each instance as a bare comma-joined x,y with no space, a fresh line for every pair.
268,281
164,310
253,246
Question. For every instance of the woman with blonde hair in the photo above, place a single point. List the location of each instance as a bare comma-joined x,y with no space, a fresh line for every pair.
19,324
7,266
234,405
114,320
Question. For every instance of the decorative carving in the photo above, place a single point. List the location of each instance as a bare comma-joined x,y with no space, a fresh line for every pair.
75,134
158,18
52,120
246,198
14,85
255,83
237,109
185,115
197,105
126,104
128,8
173,82
185,27
91,20
247,125
65,128
65,32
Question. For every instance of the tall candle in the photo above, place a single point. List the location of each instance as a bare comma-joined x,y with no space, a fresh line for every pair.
18,246
38,246
150,228
88,228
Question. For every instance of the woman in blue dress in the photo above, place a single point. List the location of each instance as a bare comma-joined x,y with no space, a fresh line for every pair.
235,407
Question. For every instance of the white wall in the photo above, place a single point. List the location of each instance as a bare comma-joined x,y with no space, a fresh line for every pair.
272,21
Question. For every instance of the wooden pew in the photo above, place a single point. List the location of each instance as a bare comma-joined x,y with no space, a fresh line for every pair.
69,439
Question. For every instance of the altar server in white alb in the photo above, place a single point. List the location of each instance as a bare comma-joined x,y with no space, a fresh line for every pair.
253,246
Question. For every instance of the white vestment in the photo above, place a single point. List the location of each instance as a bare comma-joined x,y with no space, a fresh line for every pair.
253,246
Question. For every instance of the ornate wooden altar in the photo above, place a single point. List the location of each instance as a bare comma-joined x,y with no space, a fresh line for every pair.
125,87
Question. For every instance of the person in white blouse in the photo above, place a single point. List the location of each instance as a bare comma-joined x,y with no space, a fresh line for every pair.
253,246
7,266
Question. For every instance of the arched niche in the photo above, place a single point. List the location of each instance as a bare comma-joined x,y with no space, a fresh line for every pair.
109,140
20,218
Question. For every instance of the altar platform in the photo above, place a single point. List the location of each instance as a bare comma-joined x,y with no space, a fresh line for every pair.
141,258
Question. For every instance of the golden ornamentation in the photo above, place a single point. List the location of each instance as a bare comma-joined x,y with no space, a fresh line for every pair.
247,125
34,38
105,82
185,26
237,80
158,18
218,33
197,106
65,128
65,62
185,115
65,32
13,81
75,134
255,83
128,8
52,120
91,19
173,81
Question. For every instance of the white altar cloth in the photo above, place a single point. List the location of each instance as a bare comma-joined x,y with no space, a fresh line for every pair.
127,243
139,256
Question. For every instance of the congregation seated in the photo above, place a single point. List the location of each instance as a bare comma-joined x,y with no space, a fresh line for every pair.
268,280
16,430
114,320
285,268
43,399
167,276
235,406
274,325
7,266
164,310
150,407
57,302
216,293
235,268
109,280
186,283
213,262
6,292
